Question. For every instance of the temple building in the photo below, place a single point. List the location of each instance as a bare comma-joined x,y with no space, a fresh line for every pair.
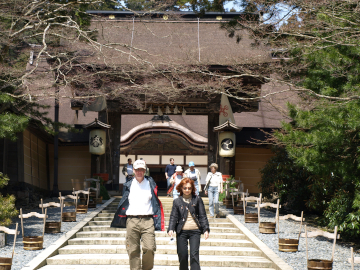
156,130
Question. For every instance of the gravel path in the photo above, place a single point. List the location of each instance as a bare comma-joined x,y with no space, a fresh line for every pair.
319,247
34,226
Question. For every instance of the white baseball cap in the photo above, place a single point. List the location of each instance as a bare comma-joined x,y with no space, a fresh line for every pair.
139,164
178,169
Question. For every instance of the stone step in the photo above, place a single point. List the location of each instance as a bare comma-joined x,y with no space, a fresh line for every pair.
218,222
114,211
161,249
166,209
111,215
160,259
126,267
108,228
167,218
159,241
157,234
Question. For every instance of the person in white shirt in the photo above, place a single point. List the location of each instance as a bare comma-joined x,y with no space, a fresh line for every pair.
194,174
176,179
139,211
215,186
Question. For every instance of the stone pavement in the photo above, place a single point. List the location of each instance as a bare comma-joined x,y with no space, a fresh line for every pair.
97,246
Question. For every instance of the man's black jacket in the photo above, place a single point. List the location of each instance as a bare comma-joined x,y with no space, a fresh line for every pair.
180,210
119,220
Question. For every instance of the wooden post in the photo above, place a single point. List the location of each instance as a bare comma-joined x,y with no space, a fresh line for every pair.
56,144
22,223
15,235
103,158
307,255
44,222
334,245
20,155
213,153
114,153
2,239
61,209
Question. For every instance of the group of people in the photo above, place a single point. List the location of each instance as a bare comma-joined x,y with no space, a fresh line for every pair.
140,212
176,174
213,183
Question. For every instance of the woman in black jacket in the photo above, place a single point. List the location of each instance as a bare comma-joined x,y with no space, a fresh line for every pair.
188,219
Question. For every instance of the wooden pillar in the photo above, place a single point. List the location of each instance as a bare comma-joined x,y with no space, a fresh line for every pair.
20,155
55,190
114,151
227,165
213,153
103,158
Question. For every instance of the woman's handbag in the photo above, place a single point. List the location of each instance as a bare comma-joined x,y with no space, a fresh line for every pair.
207,185
169,192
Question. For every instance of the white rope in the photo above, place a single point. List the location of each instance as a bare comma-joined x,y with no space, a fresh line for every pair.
132,37
199,37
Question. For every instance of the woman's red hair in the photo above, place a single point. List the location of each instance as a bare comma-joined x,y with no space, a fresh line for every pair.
183,182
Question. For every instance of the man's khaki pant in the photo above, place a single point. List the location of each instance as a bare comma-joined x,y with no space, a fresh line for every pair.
140,229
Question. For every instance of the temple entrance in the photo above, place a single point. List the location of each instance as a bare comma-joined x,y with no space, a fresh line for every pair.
156,141
158,174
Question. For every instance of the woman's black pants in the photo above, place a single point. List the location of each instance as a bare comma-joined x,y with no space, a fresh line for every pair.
182,249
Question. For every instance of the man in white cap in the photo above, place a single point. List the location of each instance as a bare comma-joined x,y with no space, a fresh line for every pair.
139,211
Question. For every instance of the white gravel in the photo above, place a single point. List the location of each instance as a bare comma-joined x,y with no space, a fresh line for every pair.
319,247
34,226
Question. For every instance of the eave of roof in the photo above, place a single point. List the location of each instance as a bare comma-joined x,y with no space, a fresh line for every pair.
184,14
163,125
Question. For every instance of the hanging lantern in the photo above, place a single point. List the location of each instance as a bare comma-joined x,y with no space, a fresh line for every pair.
97,137
227,143
226,129
97,141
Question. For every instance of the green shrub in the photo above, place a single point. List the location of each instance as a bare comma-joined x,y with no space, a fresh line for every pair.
222,196
7,204
290,181
103,191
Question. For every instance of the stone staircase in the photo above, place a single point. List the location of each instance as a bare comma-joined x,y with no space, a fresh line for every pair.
98,246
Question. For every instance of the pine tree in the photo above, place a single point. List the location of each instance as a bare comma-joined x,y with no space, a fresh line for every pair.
319,52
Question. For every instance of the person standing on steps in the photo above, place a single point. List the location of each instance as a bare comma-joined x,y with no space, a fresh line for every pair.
128,170
194,174
176,179
188,219
169,171
139,211
214,187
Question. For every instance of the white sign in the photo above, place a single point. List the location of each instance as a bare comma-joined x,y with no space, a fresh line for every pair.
226,112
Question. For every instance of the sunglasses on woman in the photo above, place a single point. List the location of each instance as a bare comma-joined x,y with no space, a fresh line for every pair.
187,188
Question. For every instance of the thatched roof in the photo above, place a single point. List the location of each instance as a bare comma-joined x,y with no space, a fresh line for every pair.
177,40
